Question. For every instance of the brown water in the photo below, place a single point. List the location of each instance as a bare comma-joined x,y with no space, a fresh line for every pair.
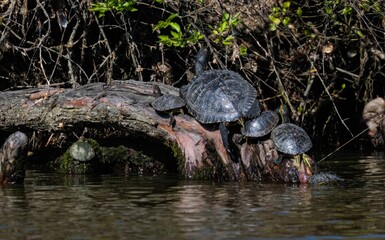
53,206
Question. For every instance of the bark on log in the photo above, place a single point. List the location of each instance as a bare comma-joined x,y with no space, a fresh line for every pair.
126,106
123,105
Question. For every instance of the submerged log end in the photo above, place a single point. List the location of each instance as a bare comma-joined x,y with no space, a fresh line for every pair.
12,158
374,117
199,149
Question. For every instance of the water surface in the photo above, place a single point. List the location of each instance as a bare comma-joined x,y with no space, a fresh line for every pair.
55,206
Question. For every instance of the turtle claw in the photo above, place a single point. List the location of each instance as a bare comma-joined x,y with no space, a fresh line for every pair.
172,121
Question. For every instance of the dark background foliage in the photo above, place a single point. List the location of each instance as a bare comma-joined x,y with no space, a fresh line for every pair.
322,59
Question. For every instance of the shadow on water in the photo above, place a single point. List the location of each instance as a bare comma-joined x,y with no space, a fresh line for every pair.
54,206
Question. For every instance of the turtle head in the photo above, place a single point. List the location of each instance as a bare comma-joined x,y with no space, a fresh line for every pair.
301,169
156,91
283,112
201,60
183,91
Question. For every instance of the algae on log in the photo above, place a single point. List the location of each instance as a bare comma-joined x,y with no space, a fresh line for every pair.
125,107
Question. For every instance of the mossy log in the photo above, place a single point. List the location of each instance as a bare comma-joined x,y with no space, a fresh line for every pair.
124,108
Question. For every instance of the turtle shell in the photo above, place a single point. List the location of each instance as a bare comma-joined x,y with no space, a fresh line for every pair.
291,139
219,96
261,125
82,151
167,102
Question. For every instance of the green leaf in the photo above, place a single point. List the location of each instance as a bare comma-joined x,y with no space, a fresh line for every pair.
359,33
226,16
228,40
274,19
163,38
286,21
377,7
175,26
347,10
328,11
300,109
176,35
286,5
161,24
242,50
299,12
272,27
234,21
171,17
276,9
224,26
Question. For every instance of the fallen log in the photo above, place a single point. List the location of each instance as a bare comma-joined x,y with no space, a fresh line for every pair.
123,109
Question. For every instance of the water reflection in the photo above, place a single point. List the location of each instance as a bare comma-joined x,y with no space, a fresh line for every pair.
53,206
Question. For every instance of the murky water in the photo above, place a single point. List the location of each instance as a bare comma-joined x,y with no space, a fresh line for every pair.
53,206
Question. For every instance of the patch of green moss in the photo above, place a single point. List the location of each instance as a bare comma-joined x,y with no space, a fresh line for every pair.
113,155
178,156
125,160
66,164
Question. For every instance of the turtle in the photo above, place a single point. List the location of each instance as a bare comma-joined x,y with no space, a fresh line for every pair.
167,103
216,96
219,96
291,139
261,125
82,151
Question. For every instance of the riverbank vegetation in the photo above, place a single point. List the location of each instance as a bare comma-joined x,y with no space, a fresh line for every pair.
321,59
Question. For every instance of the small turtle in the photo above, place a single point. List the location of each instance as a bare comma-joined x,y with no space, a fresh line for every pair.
167,103
262,125
291,139
82,151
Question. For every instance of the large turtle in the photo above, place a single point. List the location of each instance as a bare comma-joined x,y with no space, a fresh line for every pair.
291,139
261,125
216,96
219,96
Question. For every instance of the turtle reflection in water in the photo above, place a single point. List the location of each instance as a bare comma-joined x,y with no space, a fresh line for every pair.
291,139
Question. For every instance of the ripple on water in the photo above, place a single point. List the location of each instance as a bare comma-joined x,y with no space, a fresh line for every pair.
114,207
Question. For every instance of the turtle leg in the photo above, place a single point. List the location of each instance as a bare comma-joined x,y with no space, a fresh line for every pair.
172,120
225,139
